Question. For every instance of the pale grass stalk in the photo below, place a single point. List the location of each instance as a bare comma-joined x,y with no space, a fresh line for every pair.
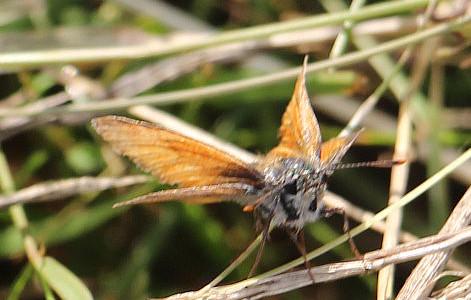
400,173
420,282
397,188
459,289
236,86
382,122
59,189
257,288
31,58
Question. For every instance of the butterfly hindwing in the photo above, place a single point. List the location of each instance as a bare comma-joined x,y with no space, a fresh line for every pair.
197,195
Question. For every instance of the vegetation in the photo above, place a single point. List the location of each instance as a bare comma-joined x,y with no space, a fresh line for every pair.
398,69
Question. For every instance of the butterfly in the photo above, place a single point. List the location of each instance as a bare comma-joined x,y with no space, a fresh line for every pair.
284,188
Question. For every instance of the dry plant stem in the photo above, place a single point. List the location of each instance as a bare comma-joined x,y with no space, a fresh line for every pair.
338,48
236,86
400,173
459,289
14,125
360,215
67,187
397,188
383,122
182,21
135,82
19,217
256,32
384,27
369,104
438,196
372,261
418,285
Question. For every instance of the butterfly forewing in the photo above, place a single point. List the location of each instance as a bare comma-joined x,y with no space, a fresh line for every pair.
173,158
299,131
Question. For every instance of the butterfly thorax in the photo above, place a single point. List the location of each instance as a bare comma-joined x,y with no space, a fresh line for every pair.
295,188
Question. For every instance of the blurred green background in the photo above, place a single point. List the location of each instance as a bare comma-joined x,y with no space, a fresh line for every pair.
155,251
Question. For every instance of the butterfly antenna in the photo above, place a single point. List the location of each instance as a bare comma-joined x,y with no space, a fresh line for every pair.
370,164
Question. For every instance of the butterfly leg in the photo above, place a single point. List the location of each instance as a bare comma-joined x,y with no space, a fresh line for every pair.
298,239
328,212
265,237
263,216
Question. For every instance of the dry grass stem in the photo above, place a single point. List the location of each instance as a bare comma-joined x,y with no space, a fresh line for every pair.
224,88
383,122
59,189
400,173
152,48
459,289
373,261
397,188
14,125
360,215
418,285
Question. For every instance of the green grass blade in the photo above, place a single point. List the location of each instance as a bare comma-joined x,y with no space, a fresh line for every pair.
63,281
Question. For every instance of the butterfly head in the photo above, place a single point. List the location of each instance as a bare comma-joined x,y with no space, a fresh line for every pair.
297,187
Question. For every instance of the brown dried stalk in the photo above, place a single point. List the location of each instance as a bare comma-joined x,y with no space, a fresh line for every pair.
418,285
372,261
456,290
59,189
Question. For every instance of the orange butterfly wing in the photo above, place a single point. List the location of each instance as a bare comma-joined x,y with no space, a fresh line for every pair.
334,149
299,132
171,157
